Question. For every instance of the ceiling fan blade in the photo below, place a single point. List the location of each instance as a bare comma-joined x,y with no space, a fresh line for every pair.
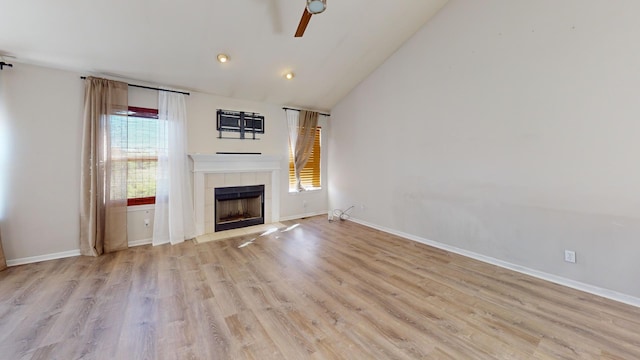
304,21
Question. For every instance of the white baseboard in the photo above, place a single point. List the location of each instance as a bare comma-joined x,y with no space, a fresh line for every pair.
39,258
62,255
295,217
595,290
140,242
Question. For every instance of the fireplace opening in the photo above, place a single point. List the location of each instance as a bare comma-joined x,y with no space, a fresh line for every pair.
238,206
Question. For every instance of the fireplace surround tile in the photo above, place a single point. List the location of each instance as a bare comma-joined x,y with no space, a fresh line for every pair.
209,196
267,192
214,179
232,179
263,178
249,178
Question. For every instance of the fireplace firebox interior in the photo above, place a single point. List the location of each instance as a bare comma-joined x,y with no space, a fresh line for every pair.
238,206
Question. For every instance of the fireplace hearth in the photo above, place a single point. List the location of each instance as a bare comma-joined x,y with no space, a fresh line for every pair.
238,206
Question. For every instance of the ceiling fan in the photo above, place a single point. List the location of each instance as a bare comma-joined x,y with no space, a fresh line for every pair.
313,7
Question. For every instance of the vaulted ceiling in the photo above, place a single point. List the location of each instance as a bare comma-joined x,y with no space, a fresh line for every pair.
175,43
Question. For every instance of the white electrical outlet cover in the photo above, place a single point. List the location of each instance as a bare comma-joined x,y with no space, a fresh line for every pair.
570,256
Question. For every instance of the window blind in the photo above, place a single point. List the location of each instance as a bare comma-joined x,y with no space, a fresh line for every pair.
310,174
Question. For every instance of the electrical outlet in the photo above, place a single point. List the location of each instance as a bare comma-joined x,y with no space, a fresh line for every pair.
147,222
570,256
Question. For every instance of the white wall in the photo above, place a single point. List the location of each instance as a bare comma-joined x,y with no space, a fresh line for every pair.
40,136
509,129
40,181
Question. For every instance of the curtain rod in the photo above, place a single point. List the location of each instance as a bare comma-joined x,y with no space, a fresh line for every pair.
151,88
286,108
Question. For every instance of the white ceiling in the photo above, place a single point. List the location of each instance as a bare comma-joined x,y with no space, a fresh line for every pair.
175,43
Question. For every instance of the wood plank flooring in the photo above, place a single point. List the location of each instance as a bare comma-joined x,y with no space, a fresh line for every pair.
318,291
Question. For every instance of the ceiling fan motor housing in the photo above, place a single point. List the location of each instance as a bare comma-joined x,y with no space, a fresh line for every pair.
316,6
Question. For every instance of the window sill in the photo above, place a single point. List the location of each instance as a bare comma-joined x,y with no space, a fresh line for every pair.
132,208
307,190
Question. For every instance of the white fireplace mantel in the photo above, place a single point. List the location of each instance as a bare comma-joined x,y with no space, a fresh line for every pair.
222,163
204,164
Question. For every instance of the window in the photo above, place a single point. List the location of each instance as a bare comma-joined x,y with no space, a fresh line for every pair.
140,153
310,174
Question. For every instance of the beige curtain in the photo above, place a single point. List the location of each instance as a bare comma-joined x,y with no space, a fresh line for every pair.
306,135
3,260
103,197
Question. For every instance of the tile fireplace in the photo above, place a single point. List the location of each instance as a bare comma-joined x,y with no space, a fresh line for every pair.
211,171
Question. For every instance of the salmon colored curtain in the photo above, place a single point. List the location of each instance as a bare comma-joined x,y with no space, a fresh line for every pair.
103,197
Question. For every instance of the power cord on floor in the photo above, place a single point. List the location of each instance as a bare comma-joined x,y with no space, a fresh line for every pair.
342,215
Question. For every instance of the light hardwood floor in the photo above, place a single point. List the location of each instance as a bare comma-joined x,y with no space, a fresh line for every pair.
319,291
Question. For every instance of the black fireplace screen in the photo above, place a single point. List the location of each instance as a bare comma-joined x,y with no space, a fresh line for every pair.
238,206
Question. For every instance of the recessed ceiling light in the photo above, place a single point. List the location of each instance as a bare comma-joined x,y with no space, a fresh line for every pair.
223,58
289,75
